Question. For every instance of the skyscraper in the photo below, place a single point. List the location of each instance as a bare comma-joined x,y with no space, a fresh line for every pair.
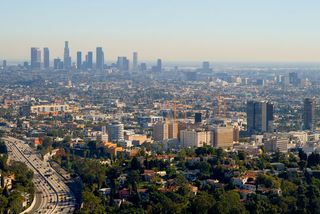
294,79
79,60
57,64
115,131
89,60
35,58
259,116
159,65
123,63
309,114
135,61
205,65
195,138
66,56
4,64
222,137
46,58
143,67
99,58
165,130
197,117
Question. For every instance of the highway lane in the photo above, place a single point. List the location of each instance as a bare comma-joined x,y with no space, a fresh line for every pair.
42,192
56,195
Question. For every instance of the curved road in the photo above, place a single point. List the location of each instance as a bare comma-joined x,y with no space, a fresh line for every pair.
52,194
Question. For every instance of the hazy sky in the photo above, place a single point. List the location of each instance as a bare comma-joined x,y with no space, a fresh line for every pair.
215,30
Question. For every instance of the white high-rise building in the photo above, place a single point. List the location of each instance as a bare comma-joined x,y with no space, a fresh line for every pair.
66,56
195,138
135,61
116,131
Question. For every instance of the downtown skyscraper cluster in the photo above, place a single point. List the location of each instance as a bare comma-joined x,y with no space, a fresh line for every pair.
36,62
86,62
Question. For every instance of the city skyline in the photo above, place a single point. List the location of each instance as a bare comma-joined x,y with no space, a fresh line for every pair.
174,31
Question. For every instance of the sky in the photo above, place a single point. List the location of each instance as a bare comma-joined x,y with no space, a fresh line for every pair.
174,30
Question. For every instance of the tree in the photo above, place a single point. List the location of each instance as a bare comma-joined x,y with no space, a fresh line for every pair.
202,203
92,145
3,162
3,148
67,139
229,202
112,174
268,181
135,164
133,180
313,195
302,201
302,155
204,168
91,203
313,159
181,155
242,155
15,202
3,204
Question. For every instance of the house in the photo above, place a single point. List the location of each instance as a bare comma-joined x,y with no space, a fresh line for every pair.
122,179
193,189
247,181
105,191
143,193
162,173
250,187
26,199
148,174
124,193
278,166
8,180
244,193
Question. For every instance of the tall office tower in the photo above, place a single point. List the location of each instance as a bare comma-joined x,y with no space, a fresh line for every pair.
135,61
66,56
79,60
104,129
4,64
222,137
173,130
143,67
26,65
35,58
206,66
195,138
197,117
46,58
89,60
309,114
57,64
99,58
165,130
160,131
123,63
259,117
159,65
294,79
116,131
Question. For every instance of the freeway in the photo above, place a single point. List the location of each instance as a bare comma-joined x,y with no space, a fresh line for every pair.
52,194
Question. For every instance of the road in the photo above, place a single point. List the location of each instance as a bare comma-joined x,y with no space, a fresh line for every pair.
52,194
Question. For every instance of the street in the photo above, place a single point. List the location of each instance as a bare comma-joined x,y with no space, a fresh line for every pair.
52,194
